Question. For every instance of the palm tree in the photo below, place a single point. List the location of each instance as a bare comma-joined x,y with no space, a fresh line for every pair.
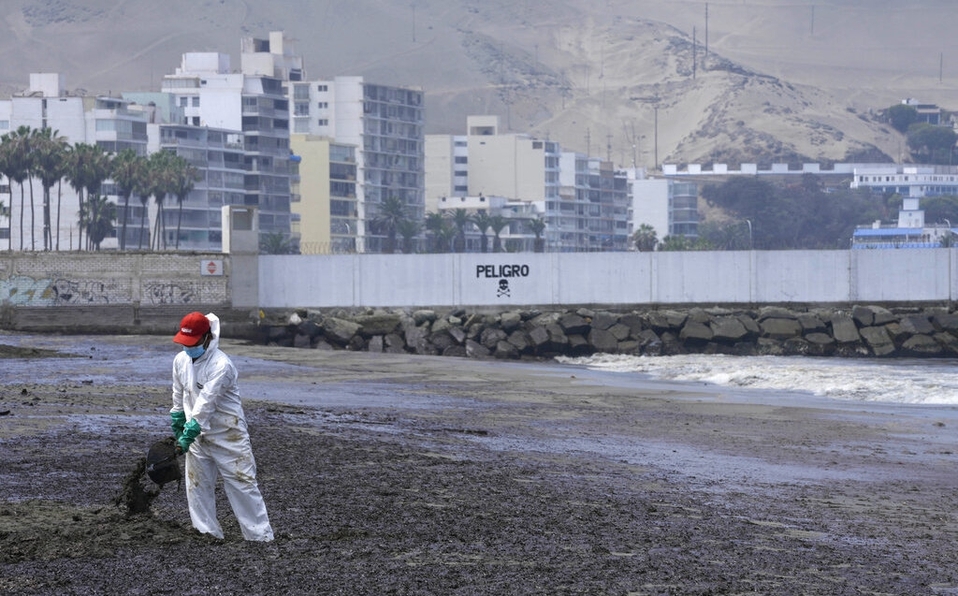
89,166
28,143
49,156
5,160
97,171
408,229
482,221
392,212
460,219
537,226
18,166
497,223
77,157
436,223
275,243
129,176
160,183
184,177
98,217
645,238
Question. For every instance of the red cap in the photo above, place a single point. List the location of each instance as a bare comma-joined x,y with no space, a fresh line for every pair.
192,329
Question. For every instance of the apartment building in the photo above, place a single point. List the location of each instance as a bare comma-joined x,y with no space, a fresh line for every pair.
669,206
108,122
584,201
211,95
324,195
385,125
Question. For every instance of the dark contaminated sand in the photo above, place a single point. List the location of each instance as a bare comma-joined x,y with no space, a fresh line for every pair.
411,475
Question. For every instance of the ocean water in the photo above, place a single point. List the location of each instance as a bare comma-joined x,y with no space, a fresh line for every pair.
906,381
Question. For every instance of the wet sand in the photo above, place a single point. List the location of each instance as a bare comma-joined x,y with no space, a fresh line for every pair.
428,475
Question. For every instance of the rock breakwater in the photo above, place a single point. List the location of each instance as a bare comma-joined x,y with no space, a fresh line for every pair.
856,331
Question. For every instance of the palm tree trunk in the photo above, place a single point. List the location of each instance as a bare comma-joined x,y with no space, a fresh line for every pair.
143,222
22,208
155,240
33,218
126,214
80,230
47,232
10,215
59,203
179,220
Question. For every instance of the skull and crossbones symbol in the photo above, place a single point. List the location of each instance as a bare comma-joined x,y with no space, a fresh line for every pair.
503,288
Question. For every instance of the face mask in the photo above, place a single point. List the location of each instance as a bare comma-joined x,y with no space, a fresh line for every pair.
194,352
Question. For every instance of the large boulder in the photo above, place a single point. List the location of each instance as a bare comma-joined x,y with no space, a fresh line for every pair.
779,328
878,340
510,321
946,322
694,331
505,350
340,331
604,320
728,329
603,341
574,324
844,329
476,350
863,315
380,323
916,325
811,323
921,345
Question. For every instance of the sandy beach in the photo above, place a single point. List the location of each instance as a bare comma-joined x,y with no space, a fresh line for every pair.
395,474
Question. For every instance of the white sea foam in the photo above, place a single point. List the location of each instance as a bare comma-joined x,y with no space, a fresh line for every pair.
909,381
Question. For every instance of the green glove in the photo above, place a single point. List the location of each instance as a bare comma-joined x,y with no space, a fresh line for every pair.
177,422
190,431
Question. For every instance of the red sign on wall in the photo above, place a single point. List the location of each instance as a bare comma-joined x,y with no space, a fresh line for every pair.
211,267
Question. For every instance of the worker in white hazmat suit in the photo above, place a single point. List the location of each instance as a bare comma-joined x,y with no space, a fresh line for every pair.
210,427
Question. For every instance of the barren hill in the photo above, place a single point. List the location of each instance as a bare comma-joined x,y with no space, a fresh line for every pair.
726,80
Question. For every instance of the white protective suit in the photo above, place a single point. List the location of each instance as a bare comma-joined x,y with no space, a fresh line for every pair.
206,391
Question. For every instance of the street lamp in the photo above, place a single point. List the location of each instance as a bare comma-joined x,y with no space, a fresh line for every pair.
749,222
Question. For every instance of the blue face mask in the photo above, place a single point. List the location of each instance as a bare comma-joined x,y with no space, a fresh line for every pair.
194,352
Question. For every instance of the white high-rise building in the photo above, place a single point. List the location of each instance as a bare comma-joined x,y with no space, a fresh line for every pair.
385,124
252,102
583,201
26,224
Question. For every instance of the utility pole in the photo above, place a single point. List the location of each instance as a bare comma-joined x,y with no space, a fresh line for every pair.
656,165
694,56
706,30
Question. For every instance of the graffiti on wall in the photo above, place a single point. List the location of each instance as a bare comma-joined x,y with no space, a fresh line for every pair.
87,291
169,293
27,291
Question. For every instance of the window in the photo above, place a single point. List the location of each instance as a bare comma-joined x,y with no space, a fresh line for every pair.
323,105
196,101
322,88
323,122
301,92
301,108
461,159
183,100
